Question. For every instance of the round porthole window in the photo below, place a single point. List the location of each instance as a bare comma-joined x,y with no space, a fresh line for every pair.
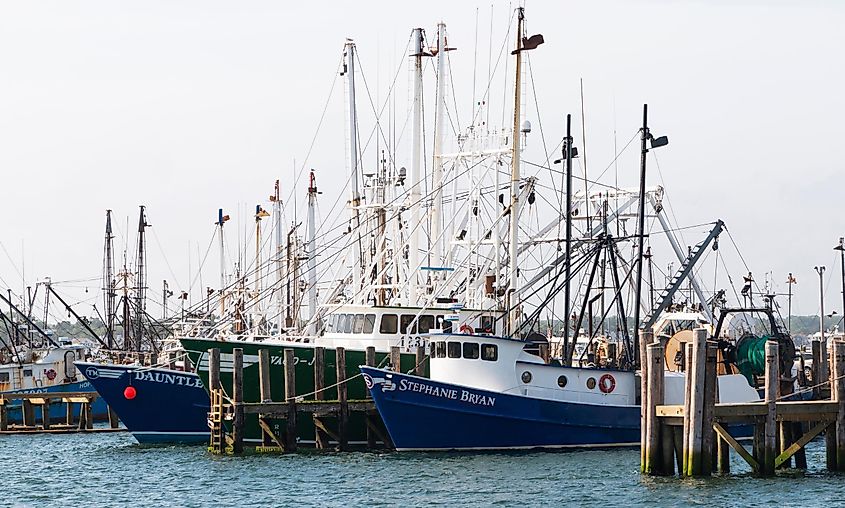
526,377
591,383
561,381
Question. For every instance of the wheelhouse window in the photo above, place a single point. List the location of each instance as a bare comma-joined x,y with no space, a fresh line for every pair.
405,322
369,323
389,324
440,349
426,323
471,350
358,325
4,377
453,349
27,373
447,325
489,352
487,324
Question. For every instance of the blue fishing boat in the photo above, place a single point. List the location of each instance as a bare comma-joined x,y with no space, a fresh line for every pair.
488,393
156,405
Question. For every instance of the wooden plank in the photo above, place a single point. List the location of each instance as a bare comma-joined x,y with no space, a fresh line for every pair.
265,427
321,407
322,426
725,435
797,445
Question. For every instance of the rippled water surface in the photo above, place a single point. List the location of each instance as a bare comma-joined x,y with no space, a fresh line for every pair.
113,470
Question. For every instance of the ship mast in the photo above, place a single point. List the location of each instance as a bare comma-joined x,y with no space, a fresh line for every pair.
522,44
108,281
355,197
437,167
416,172
277,223
141,287
312,255
221,219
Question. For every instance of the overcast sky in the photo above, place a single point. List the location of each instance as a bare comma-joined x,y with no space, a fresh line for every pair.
190,106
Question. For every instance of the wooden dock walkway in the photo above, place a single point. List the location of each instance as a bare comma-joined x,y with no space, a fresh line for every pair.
32,401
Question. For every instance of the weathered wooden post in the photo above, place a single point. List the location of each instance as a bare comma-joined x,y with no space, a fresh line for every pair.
4,416
320,437
343,403
645,340
395,359
290,398
816,370
45,414
114,421
830,432
839,348
770,451
697,370
689,358
419,364
69,413
28,413
89,421
653,365
214,369
711,393
238,400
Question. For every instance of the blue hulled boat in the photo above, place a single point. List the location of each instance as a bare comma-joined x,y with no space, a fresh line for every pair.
488,393
156,405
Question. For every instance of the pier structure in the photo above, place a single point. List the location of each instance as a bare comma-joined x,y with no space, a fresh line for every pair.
33,403
698,436
278,419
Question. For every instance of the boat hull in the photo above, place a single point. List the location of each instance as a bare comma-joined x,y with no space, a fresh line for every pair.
169,406
421,414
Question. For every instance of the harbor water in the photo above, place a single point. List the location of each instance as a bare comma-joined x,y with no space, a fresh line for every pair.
113,470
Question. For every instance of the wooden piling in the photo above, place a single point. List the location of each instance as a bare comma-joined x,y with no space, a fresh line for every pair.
653,397
28,413
214,369
45,414
114,421
816,370
723,456
238,400
688,390
711,390
264,375
830,433
395,359
321,439
68,413
343,409
839,378
694,456
290,398
4,417
419,364
645,340
770,451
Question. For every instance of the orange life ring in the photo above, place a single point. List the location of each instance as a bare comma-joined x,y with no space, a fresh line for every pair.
607,383
465,328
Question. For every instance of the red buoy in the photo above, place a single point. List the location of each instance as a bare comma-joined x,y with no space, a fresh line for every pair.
129,392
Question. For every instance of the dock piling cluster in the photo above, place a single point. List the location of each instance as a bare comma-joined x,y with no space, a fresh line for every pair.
697,435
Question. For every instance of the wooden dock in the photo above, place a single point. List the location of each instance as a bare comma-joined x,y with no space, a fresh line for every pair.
32,401
696,436
330,417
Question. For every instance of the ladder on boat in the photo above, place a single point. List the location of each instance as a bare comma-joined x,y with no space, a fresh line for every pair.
215,422
665,297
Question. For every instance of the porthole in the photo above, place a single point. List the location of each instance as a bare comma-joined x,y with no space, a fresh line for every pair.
526,377
591,383
561,381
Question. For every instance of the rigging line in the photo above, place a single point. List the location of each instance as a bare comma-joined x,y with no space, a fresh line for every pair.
574,176
205,257
316,132
12,261
166,262
454,94
618,154
485,95
540,121
377,129
666,196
